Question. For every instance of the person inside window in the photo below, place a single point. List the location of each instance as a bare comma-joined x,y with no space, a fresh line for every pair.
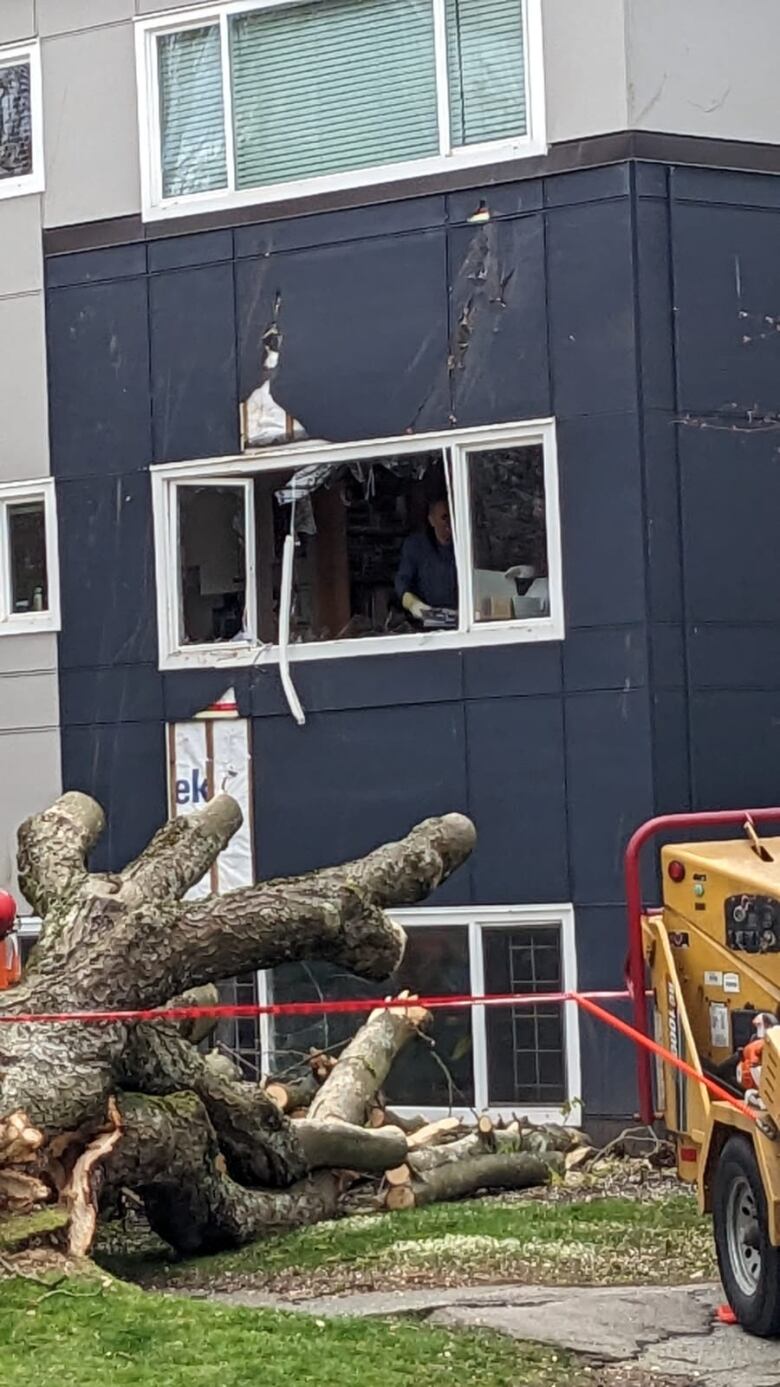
427,580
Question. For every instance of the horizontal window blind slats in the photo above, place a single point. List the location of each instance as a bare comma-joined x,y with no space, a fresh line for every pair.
485,57
330,86
193,154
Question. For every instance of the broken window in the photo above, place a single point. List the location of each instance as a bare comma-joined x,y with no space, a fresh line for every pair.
362,534
509,536
284,92
29,578
450,541
20,159
212,526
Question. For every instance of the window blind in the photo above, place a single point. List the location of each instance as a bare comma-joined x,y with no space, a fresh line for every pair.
485,57
334,85
191,113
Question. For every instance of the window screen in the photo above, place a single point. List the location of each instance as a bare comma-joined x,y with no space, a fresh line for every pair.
325,87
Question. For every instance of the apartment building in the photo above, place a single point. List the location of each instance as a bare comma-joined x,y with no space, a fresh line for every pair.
311,307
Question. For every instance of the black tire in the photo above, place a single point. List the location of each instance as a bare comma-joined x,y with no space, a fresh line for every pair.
749,1264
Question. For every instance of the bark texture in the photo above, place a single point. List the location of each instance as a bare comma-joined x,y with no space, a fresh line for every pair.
86,1109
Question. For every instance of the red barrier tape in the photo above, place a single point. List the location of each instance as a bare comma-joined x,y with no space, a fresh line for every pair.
497,999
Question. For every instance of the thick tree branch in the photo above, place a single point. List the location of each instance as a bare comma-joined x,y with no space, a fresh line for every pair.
53,848
335,913
182,852
349,1092
170,1156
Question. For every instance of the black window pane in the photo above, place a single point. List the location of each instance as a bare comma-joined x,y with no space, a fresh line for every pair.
240,1038
509,535
525,1046
27,553
436,962
16,151
212,557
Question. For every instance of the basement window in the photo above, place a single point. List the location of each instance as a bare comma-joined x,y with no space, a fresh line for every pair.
29,579
21,143
434,541
250,100
523,1059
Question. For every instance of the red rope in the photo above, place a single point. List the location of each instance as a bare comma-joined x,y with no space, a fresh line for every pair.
497,999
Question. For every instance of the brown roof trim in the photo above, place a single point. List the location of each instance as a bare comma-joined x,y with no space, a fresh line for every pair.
570,155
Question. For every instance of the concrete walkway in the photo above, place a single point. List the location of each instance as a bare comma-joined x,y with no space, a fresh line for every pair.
666,1330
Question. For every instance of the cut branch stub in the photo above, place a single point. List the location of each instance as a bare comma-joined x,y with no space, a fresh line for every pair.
349,1091
181,853
53,849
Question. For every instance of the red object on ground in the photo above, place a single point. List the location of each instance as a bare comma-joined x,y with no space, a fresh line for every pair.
725,1315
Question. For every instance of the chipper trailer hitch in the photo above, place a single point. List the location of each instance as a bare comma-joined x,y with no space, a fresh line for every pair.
704,975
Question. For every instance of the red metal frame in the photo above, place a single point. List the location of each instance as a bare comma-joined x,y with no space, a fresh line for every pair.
635,971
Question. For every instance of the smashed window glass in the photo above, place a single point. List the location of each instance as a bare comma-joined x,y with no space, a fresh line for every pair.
374,552
509,536
27,557
212,557
16,147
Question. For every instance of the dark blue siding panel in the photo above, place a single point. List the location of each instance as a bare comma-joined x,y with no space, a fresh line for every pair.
503,671
671,752
119,693
654,287
99,402
187,692
735,739
194,391
107,572
602,944
500,200
336,228
727,295
347,781
591,307
180,252
608,1068
735,657
662,502
667,655
378,681
124,766
364,350
731,505
587,185
498,317
601,519
610,792
605,658
116,262
517,798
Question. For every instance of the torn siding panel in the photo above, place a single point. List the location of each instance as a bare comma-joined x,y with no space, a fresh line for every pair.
364,335
498,342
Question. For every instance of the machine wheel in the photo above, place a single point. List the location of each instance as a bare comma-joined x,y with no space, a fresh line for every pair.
749,1264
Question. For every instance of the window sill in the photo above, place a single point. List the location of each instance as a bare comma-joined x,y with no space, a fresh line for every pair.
227,656
29,625
468,157
20,187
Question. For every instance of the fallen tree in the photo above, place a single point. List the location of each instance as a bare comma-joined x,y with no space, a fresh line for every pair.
90,1109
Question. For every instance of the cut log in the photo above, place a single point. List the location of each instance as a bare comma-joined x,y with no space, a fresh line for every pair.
349,1091
344,1146
399,1175
399,1197
292,1093
476,1143
458,1179
433,1132
376,1118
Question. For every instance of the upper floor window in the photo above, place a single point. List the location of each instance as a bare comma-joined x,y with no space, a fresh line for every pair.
21,142
320,550
258,99
29,570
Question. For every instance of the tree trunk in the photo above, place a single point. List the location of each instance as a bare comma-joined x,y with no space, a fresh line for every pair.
215,1160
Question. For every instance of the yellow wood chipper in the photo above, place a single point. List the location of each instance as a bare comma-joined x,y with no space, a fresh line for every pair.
704,971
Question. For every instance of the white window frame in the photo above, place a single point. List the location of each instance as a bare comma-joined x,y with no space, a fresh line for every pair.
475,919
156,207
167,477
33,182
27,623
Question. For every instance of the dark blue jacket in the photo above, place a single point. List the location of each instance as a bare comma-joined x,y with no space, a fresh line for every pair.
428,570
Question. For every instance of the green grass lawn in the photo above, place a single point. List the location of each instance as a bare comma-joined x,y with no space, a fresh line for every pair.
602,1241
98,1334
